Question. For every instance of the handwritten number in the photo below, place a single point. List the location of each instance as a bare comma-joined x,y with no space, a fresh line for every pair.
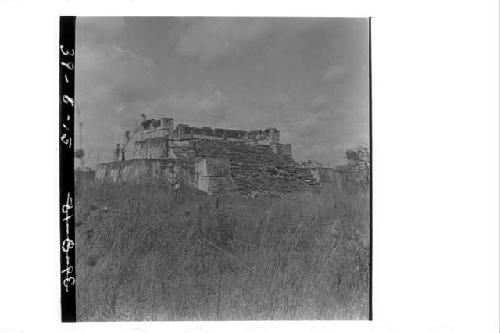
68,281
72,53
68,100
67,270
68,65
67,245
66,141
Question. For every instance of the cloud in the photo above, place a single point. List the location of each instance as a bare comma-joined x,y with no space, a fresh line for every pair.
212,101
115,75
209,38
98,30
333,72
319,105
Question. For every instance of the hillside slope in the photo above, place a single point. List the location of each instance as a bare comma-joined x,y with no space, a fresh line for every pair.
144,253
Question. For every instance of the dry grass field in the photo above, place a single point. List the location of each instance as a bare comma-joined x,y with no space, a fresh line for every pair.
144,253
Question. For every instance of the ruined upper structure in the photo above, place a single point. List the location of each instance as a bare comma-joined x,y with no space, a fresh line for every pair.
182,134
153,128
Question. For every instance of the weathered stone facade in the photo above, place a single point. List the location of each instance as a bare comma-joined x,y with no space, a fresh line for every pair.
213,160
166,171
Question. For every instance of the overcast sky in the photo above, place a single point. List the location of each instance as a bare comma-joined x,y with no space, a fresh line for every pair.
308,77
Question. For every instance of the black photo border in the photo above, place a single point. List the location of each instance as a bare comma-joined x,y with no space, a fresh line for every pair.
66,167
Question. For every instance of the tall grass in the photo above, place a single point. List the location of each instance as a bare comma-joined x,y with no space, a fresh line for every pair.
144,253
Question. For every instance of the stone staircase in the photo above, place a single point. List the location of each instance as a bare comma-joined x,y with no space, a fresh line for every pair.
255,169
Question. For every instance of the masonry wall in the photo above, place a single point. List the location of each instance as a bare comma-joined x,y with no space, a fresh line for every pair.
156,148
247,167
214,175
152,128
170,173
253,168
327,175
192,147
208,175
282,149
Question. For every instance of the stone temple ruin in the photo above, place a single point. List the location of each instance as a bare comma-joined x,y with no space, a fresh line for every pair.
213,160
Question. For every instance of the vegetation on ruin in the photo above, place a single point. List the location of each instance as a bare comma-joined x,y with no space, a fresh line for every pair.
144,253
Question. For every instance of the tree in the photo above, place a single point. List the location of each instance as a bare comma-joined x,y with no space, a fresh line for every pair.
359,159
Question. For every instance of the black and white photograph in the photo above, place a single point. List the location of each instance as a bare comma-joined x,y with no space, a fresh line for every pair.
266,166
222,168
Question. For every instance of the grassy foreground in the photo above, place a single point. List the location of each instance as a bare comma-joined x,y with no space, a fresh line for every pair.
144,253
